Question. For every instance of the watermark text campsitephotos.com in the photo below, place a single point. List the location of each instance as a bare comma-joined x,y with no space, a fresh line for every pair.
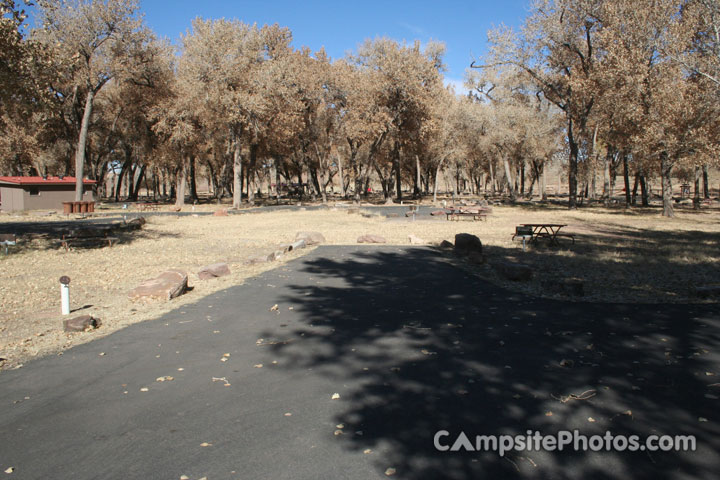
562,440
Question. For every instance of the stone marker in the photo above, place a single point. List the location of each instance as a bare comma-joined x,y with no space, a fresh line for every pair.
220,213
168,285
213,271
416,240
81,323
311,238
371,239
517,272
466,243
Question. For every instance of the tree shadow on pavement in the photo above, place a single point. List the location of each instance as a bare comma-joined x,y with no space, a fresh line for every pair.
417,345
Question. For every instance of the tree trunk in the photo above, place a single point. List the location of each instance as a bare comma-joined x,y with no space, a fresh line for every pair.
635,187
626,179
508,177
665,171
237,176
130,183
181,183
138,181
193,184
341,172
706,190
696,193
572,168
81,144
418,178
123,171
492,177
396,162
607,193
437,174
277,180
644,191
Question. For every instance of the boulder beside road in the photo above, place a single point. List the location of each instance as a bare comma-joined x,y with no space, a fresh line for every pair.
311,238
466,243
213,271
167,285
81,323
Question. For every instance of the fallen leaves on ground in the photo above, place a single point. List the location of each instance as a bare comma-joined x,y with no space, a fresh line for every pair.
221,379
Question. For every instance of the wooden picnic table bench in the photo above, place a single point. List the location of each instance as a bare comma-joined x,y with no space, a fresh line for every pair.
474,213
90,236
534,231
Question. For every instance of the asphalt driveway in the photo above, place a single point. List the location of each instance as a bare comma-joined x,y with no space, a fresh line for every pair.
410,344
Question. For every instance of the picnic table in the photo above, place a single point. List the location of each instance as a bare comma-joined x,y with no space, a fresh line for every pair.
6,240
476,213
87,237
543,230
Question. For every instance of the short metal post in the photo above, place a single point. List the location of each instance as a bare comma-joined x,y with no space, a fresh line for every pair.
65,295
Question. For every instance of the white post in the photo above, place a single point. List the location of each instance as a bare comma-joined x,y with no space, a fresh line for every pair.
65,298
65,295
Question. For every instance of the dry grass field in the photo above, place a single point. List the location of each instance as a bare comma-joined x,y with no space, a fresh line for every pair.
620,256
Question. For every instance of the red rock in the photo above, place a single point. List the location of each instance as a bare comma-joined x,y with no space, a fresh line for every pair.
213,271
168,285
311,238
81,323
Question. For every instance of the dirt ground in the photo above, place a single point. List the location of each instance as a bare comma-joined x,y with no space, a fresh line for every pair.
619,256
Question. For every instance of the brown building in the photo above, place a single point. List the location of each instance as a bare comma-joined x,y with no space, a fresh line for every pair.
34,193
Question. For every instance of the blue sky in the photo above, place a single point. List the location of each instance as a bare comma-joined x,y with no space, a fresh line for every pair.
340,26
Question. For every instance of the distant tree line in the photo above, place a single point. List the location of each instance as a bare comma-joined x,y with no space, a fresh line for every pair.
613,88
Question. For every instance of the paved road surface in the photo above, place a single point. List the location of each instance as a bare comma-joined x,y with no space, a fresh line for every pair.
412,345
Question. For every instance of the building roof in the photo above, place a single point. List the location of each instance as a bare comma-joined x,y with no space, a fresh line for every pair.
43,181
